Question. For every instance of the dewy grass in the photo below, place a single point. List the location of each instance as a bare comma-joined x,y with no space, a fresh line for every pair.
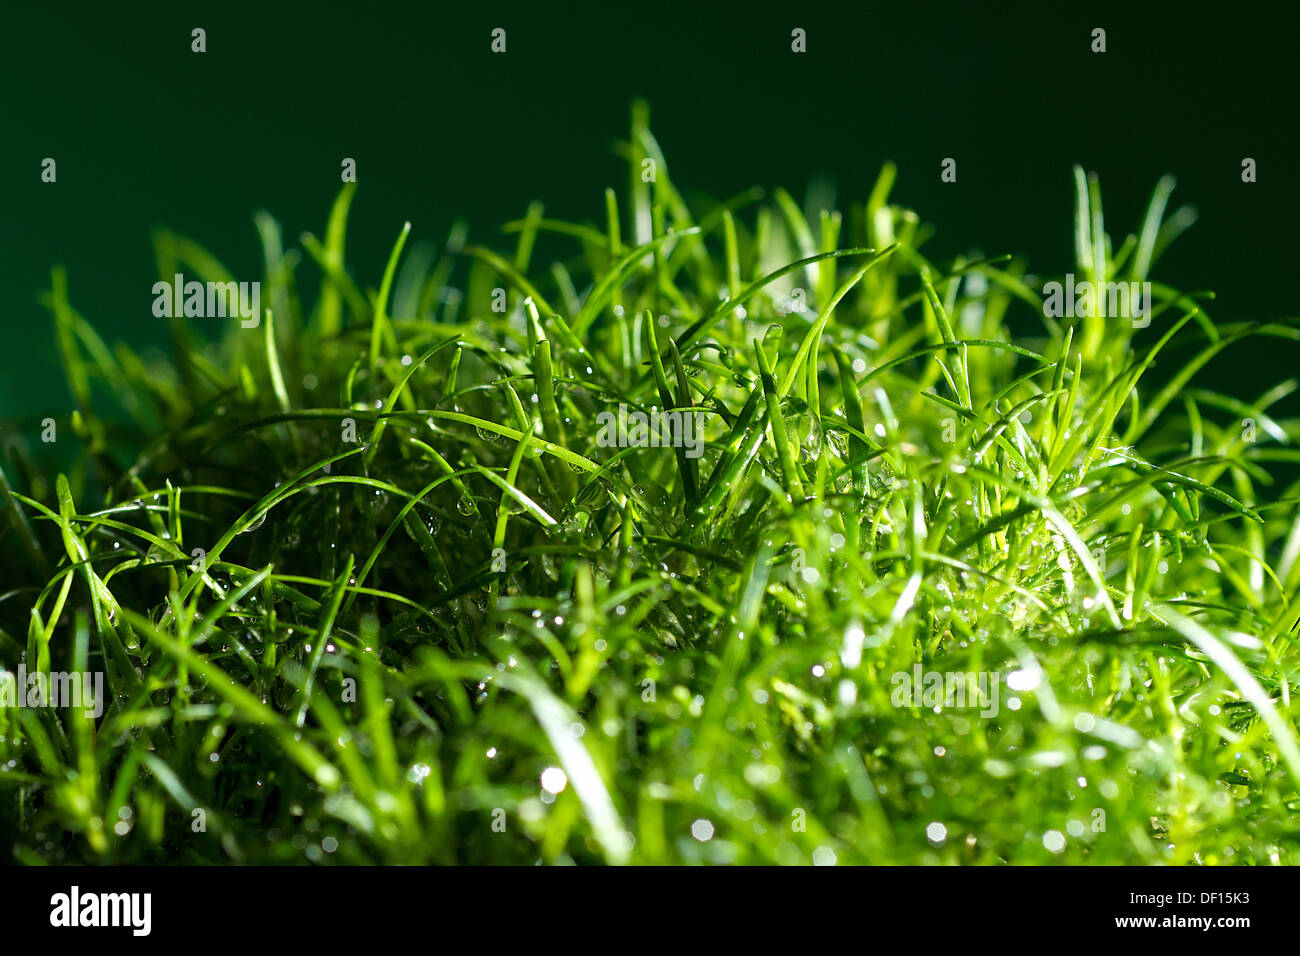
367,586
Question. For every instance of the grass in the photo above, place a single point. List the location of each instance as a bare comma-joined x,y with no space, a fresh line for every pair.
424,586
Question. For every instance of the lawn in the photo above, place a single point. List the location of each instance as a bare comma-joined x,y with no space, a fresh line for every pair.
734,533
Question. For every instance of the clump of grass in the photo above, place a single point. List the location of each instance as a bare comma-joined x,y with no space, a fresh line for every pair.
422,586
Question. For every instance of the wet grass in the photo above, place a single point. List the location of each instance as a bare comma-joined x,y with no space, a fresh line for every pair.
366,587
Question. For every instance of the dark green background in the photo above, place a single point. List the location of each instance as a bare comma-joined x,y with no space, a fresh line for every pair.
146,132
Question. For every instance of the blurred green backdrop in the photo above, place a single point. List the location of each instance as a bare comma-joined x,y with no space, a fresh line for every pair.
147,133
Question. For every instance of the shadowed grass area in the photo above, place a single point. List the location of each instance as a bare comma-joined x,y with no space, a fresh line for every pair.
369,582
